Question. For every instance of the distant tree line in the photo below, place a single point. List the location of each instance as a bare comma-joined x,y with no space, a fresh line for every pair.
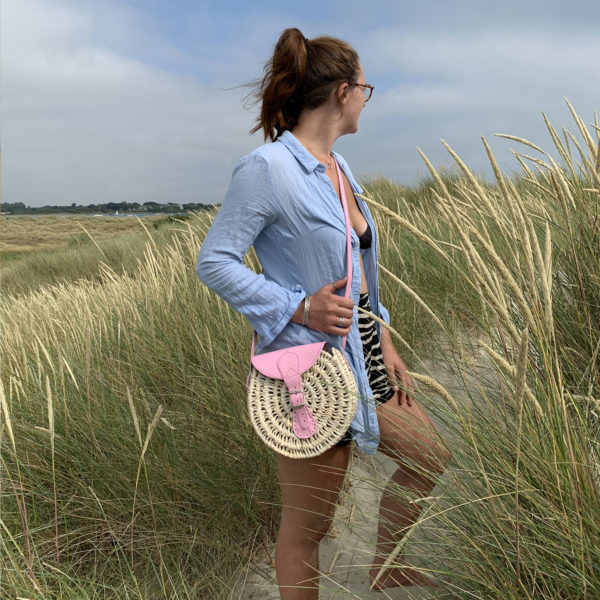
108,208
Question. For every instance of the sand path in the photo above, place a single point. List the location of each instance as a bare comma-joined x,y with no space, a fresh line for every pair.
346,553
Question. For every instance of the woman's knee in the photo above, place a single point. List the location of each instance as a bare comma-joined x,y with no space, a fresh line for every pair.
438,460
409,435
420,454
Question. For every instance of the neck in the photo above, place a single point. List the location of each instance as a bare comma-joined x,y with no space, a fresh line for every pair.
320,148
318,130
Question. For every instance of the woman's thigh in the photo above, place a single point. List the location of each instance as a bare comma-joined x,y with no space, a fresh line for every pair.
310,488
407,433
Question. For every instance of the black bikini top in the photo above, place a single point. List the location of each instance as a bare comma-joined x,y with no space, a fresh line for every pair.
365,238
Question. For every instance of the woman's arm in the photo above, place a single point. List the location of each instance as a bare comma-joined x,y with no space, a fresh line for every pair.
248,207
393,363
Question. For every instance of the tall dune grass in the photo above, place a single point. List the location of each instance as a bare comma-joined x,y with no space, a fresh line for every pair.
518,514
129,468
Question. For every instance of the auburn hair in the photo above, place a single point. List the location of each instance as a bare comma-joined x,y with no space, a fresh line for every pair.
301,74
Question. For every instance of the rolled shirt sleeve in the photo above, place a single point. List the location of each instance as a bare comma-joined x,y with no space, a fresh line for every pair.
249,206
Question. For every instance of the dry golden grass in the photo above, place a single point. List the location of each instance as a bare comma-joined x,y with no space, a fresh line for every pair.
131,468
25,233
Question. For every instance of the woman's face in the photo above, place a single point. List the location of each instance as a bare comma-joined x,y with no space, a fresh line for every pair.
355,102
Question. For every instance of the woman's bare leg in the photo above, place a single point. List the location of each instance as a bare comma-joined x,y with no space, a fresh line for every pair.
408,436
309,493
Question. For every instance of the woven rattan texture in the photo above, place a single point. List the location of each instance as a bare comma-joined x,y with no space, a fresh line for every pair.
329,390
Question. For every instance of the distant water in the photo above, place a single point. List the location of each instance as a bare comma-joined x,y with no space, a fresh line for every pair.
136,214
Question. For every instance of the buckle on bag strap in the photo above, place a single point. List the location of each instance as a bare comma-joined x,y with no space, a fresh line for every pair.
303,422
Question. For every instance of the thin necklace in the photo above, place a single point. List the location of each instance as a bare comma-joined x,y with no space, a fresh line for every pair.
328,163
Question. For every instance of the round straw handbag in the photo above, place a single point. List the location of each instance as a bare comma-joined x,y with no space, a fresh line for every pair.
302,399
325,405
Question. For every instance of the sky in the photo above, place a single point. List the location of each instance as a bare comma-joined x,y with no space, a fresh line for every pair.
136,101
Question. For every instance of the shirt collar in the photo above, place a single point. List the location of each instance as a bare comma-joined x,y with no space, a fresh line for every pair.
307,160
304,157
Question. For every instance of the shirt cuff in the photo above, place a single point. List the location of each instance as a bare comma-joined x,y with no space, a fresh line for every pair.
268,335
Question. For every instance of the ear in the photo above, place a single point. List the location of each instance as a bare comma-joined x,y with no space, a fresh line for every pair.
341,93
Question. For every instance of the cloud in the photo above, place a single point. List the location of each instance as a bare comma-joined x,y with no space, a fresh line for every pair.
432,85
498,54
109,102
85,124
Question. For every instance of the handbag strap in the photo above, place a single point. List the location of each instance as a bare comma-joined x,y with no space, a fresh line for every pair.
348,252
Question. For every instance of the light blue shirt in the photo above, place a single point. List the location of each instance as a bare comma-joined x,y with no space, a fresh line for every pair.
281,201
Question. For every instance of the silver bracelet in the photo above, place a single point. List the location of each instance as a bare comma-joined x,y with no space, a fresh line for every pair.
306,307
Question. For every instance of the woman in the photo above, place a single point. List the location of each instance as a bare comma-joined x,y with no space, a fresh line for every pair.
284,199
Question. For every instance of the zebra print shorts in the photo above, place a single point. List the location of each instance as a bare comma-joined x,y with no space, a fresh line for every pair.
376,373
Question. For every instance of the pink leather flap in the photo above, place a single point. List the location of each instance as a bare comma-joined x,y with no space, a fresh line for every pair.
307,356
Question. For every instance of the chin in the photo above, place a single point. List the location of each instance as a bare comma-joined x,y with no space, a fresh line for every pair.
351,129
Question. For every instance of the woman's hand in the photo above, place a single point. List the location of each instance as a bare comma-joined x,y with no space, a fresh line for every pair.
326,308
395,367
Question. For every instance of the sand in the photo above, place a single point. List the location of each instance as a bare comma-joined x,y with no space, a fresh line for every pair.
347,551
